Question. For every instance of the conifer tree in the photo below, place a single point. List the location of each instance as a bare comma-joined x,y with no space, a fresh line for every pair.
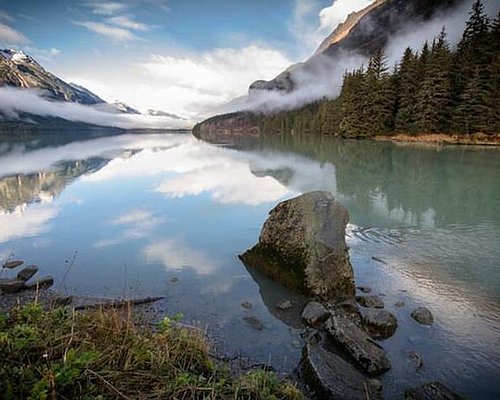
408,80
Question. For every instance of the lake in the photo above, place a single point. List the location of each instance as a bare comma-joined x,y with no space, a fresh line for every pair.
167,215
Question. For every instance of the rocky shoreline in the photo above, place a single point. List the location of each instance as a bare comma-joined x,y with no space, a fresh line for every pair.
343,356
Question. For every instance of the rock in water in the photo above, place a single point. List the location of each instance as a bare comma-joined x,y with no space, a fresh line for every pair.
333,378
379,324
42,283
254,323
27,273
284,305
356,342
302,245
432,391
11,285
423,316
370,301
13,264
314,314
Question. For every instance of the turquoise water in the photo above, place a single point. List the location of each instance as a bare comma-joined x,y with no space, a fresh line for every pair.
135,211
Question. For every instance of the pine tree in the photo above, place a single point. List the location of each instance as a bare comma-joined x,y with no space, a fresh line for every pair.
435,96
379,102
407,79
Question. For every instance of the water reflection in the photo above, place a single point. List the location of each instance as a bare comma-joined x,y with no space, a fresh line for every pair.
141,209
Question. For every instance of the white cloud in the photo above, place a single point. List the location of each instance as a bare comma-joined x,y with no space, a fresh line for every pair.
332,16
25,222
10,36
175,255
109,31
106,7
188,84
128,22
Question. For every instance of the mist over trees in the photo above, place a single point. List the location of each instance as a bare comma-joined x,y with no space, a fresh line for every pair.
431,90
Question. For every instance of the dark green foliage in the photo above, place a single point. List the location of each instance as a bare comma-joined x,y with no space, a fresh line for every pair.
433,91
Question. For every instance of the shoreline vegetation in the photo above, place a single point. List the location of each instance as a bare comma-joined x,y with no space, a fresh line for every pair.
437,94
49,352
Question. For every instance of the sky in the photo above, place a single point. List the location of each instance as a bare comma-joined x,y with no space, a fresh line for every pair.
179,56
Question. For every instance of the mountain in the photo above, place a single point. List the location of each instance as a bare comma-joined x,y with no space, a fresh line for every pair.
362,33
20,70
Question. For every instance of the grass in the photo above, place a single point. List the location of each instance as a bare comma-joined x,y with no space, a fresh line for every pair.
103,354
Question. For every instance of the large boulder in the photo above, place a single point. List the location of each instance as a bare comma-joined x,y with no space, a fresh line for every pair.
302,245
379,324
333,378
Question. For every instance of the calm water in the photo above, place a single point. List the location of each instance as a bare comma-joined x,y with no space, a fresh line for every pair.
136,211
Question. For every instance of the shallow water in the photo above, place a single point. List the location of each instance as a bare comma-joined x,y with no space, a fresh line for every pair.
121,216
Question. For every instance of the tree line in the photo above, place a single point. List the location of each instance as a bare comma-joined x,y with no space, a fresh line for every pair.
434,90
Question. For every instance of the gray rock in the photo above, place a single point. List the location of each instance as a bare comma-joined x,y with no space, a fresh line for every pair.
364,289
174,280
284,305
12,285
423,316
315,314
333,378
399,304
432,391
254,323
302,245
27,273
247,305
370,301
13,264
347,307
42,283
356,342
379,324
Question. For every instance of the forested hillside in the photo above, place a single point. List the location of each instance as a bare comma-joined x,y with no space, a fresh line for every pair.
435,89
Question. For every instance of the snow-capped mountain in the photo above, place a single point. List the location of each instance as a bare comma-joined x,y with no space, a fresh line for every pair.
21,70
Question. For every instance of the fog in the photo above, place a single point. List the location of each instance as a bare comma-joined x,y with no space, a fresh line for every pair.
14,101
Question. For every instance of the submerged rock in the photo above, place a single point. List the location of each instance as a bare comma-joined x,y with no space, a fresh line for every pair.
302,245
423,316
284,305
27,273
247,305
432,391
399,304
364,289
370,301
254,323
333,378
13,264
417,359
379,324
315,314
356,342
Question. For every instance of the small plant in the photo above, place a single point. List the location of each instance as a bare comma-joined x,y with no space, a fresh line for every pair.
102,354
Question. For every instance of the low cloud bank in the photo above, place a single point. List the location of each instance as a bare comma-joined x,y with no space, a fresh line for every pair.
14,101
